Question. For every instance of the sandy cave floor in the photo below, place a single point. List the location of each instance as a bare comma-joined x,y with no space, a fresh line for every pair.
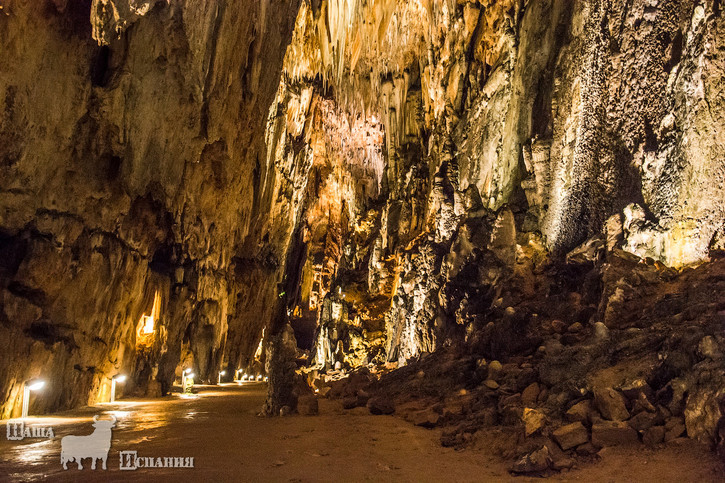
229,442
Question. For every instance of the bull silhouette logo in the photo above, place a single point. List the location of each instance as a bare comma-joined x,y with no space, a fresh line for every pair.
94,446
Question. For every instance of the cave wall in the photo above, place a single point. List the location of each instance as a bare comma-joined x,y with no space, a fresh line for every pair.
401,160
133,161
516,129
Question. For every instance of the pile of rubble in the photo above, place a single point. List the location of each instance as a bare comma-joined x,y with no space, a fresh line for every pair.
642,365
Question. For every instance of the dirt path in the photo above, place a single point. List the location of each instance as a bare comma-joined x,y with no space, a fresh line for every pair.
228,442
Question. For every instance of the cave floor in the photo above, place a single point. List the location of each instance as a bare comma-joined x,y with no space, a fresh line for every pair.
229,442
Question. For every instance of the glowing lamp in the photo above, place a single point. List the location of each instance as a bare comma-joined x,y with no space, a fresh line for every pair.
32,385
36,385
118,378
148,324
221,373
187,374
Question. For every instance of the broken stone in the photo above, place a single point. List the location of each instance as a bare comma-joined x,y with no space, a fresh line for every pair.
586,449
601,332
571,435
380,405
654,435
613,433
674,428
530,394
558,326
534,420
534,462
708,348
611,404
426,418
581,411
576,327
563,463
490,383
642,404
644,420
494,370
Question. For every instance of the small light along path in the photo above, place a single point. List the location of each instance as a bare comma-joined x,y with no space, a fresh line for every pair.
219,427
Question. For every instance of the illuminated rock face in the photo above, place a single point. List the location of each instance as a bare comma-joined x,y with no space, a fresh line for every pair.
132,168
375,174
584,118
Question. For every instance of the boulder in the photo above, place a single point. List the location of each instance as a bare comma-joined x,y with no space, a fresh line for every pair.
613,433
611,404
380,405
586,449
601,332
558,326
576,327
490,383
654,435
535,462
426,418
581,411
530,394
571,435
644,420
494,370
674,428
534,420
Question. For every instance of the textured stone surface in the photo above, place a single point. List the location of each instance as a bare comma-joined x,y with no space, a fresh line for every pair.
613,433
571,435
132,168
370,182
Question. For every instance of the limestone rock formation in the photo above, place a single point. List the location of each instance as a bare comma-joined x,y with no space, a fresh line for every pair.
523,199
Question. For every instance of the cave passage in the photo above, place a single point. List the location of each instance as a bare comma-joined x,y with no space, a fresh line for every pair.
399,240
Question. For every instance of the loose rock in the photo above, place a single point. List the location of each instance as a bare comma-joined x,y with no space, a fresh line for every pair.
613,433
571,435
611,404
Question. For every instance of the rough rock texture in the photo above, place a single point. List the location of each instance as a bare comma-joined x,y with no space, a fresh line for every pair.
133,167
491,193
508,125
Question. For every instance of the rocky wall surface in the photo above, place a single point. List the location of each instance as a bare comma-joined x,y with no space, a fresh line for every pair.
133,162
367,180
553,121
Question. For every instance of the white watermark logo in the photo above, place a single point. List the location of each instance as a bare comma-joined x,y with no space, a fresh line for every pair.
18,431
94,446
130,460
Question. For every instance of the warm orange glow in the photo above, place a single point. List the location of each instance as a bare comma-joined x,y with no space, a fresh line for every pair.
147,324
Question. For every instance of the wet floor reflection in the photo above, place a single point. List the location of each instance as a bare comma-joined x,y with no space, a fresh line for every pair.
141,425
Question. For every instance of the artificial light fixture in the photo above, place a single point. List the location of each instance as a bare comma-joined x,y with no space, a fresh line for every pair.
118,378
32,385
187,374
221,373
